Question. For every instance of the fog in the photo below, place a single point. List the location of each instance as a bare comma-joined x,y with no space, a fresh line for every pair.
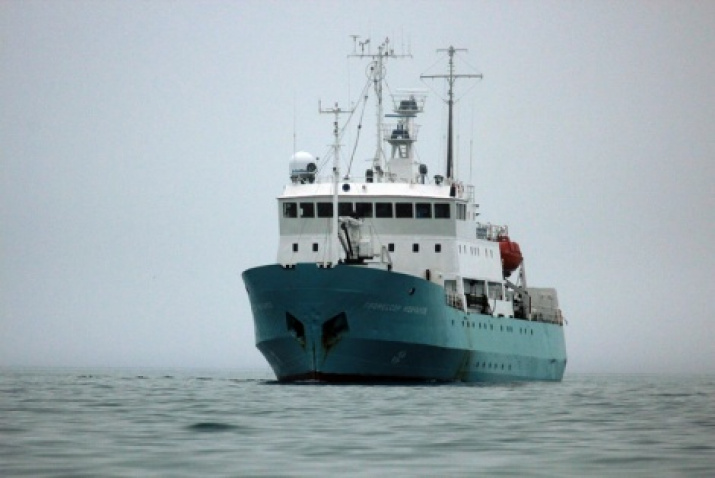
142,145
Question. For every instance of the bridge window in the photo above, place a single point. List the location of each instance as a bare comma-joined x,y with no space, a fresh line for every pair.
315,247
383,209
423,210
441,211
415,247
403,209
363,209
307,209
295,247
345,209
438,247
391,247
325,209
290,209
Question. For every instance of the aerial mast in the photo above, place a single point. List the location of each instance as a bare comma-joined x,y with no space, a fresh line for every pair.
451,77
333,243
377,72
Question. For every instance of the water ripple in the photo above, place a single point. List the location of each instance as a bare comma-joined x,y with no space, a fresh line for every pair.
162,423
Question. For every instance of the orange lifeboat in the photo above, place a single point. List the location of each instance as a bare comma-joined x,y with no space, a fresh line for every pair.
510,254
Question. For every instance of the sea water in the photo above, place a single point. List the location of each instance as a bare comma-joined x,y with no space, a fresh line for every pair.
108,423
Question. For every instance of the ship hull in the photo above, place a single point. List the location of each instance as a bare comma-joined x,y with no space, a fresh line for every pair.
358,324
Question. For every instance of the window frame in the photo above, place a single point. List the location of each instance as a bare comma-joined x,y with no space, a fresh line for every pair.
423,210
364,209
324,209
290,209
381,208
401,209
345,208
306,210
440,208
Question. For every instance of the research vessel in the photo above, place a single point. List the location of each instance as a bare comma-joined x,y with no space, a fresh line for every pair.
390,276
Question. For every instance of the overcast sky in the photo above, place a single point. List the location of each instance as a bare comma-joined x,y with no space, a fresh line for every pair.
142,145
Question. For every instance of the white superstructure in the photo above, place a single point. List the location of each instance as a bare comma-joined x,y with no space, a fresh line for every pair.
399,218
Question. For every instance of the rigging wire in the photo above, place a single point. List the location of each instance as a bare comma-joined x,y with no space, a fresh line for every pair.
383,156
463,94
462,59
330,152
359,126
429,85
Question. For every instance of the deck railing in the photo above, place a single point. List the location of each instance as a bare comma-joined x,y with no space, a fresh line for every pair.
538,314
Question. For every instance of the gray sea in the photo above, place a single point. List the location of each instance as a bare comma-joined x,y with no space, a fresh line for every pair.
126,423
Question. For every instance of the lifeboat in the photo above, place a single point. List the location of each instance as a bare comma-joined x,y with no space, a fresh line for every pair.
511,256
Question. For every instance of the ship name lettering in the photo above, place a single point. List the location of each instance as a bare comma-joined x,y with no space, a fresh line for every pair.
383,307
408,309
413,309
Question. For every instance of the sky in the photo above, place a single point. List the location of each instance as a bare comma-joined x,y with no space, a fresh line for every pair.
143,144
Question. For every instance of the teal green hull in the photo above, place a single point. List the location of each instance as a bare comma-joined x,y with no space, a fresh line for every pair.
356,324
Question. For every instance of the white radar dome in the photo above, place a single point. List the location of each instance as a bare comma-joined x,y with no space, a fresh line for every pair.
302,167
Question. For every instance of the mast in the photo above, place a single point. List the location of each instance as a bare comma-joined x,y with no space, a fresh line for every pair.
333,243
377,72
451,77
